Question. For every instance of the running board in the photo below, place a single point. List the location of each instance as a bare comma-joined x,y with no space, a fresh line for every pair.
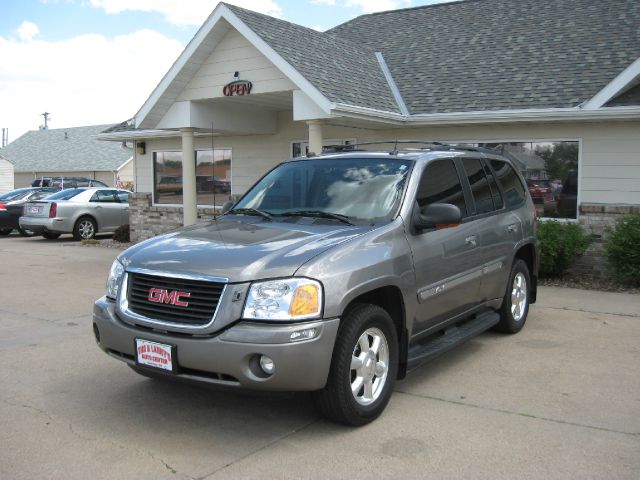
452,336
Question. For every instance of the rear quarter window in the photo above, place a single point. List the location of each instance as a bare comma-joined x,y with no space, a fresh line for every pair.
514,192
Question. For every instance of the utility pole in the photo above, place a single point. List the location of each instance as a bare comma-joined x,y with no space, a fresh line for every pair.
5,137
46,121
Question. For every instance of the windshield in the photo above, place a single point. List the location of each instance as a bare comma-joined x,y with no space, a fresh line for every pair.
364,190
66,194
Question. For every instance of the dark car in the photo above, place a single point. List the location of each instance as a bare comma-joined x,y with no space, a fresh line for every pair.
67,182
11,204
568,198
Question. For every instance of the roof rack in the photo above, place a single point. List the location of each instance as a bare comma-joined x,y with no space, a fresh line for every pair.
426,145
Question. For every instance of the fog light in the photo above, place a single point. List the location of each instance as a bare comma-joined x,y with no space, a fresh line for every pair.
305,334
267,365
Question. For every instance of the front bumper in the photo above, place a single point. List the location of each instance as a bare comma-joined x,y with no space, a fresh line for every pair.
230,358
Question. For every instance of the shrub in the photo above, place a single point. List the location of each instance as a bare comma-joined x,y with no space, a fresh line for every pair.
121,234
560,245
622,249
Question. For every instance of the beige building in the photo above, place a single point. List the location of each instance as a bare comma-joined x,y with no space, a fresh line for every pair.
541,86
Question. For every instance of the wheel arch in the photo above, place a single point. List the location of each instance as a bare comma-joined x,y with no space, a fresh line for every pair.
390,299
527,253
86,215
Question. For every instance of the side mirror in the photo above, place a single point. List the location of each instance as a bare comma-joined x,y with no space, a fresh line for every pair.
226,206
437,215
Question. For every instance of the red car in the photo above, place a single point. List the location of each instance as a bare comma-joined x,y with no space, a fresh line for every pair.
541,190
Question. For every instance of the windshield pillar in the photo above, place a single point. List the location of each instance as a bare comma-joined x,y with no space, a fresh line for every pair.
189,195
315,136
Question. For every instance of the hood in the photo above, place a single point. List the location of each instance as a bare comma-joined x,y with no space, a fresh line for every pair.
240,250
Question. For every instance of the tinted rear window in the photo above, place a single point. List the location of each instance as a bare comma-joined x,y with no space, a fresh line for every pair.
512,187
15,194
66,194
479,185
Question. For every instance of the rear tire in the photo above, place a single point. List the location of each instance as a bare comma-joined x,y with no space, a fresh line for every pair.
363,368
515,306
85,228
50,235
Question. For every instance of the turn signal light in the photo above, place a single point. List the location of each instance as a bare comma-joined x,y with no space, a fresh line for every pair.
305,301
53,210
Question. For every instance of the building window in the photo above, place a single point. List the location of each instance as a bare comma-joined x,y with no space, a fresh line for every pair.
551,172
213,177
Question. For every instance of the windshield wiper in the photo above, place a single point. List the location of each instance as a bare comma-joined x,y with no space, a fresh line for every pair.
251,211
318,213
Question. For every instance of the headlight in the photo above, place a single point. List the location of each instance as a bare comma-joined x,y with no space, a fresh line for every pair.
113,282
286,299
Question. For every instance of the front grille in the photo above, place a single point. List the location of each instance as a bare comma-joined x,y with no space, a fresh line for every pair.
202,301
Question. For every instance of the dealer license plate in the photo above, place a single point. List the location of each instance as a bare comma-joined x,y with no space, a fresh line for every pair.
35,209
155,355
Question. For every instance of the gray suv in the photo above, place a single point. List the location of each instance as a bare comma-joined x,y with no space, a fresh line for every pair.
335,274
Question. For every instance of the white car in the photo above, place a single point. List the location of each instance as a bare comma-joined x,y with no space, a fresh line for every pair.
80,211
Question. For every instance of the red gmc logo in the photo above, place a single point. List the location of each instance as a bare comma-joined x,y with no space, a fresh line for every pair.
159,295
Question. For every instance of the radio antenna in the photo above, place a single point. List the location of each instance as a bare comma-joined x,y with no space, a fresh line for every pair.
213,167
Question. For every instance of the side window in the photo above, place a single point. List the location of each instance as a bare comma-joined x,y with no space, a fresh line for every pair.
479,185
511,184
498,203
440,184
123,197
103,196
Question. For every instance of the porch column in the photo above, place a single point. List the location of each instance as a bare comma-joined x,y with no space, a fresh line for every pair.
315,136
189,196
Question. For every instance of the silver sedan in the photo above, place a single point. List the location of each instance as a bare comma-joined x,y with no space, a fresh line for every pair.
80,211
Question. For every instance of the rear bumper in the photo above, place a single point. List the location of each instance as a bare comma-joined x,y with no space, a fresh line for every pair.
230,359
39,225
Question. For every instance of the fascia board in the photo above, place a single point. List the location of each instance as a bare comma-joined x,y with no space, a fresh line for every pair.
222,12
285,67
124,164
492,116
614,87
180,63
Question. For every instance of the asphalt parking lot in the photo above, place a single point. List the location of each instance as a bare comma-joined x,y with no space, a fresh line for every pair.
559,400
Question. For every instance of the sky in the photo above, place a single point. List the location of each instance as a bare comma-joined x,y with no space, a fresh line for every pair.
90,62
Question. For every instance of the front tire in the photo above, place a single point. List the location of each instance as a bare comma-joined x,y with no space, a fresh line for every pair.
85,229
515,306
363,368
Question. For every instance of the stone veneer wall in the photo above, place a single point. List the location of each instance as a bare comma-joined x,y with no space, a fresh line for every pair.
595,218
147,220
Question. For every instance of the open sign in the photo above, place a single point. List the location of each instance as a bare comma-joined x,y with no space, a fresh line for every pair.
238,87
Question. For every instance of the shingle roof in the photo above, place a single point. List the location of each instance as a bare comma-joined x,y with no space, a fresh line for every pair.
65,149
343,70
479,55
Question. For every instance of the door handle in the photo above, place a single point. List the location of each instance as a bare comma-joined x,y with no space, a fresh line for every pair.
471,240
513,227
